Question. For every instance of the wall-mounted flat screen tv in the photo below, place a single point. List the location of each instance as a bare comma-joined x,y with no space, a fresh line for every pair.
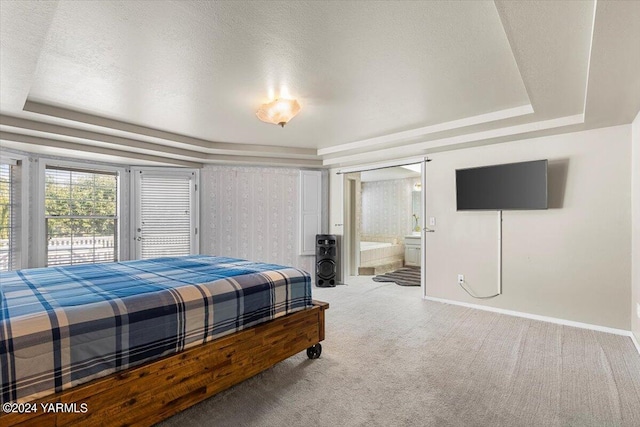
513,186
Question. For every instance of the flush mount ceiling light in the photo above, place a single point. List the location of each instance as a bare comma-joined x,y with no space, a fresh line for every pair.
278,112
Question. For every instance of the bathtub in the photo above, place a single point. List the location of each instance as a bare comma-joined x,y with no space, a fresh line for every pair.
378,253
367,246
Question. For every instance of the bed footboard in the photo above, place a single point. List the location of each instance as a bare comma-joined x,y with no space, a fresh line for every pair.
149,393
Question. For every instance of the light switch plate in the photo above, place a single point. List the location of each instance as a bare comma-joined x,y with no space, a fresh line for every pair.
432,220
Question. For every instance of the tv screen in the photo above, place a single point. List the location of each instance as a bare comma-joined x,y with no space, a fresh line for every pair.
503,187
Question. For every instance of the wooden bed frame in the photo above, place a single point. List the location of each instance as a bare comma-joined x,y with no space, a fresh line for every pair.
154,391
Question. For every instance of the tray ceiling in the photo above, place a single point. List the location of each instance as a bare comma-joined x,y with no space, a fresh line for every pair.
180,81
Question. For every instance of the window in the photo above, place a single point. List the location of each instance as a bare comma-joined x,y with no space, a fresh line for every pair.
6,218
81,216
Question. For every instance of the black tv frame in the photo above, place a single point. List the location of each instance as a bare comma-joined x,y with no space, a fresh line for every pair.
505,178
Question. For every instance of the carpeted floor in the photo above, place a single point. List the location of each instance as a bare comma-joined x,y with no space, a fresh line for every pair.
405,276
392,359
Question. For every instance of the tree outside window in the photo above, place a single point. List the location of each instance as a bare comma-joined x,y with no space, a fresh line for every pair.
81,216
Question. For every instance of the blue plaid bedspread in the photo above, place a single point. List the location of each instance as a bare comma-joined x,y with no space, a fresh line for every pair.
63,326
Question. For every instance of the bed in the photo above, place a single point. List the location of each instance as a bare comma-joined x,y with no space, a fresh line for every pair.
135,342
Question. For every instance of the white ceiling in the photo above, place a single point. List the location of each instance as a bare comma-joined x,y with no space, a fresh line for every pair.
178,82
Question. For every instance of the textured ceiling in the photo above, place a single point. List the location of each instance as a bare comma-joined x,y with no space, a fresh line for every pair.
179,82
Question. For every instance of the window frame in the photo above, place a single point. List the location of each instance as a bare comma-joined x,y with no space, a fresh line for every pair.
22,235
40,232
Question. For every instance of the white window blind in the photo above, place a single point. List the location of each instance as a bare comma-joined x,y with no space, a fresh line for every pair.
81,218
166,218
7,236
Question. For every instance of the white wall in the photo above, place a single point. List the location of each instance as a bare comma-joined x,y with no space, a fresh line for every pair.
336,202
572,261
336,216
635,234
252,213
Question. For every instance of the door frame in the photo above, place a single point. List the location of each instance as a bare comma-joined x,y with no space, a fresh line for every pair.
423,227
351,243
346,257
134,205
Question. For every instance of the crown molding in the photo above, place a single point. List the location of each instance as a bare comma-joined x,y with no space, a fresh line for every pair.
427,130
103,122
424,147
71,146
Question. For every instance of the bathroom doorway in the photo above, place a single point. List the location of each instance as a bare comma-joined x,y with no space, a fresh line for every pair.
384,221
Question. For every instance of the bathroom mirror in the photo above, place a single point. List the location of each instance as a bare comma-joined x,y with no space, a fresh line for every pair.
415,207
415,202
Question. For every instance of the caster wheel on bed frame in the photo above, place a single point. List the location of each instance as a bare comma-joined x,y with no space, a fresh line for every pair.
314,351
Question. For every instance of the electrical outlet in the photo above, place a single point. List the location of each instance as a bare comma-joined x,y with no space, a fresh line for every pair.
638,310
460,279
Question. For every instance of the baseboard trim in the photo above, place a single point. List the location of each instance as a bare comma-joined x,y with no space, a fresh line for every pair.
635,342
541,318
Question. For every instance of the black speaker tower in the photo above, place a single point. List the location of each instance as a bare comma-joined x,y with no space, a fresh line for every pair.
326,257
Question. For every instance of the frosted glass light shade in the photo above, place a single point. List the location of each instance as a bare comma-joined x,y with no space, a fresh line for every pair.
278,112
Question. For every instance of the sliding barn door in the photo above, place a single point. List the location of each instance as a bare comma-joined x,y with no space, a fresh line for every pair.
165,220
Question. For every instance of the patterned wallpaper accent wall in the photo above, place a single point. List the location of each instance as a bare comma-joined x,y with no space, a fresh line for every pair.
252,213
386,208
